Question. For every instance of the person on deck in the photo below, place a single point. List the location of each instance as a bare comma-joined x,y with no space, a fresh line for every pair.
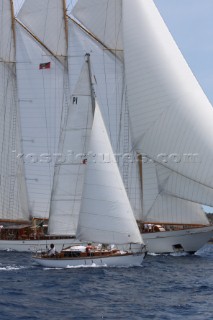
52,250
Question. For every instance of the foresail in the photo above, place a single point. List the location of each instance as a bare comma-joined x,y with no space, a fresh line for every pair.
105,215
170,115
162,204
13,195
172,210
104,20
69,174
46,20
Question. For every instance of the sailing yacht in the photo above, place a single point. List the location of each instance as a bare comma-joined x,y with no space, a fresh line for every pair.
105,215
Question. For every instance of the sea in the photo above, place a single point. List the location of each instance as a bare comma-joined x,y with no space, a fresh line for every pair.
177,286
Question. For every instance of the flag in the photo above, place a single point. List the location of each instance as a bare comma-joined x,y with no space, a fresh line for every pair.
44,65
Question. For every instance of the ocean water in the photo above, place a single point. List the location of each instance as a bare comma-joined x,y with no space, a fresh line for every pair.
164,287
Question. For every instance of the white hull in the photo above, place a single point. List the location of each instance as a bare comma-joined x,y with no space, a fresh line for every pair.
187,240
35,245
115,261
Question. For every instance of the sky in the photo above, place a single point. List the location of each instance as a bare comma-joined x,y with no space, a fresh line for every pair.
191,25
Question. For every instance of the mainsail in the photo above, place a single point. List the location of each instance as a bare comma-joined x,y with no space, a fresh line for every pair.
13,194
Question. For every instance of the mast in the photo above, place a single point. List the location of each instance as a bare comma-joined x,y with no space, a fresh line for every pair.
87,55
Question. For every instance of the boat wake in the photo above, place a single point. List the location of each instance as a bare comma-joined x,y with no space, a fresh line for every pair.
11,268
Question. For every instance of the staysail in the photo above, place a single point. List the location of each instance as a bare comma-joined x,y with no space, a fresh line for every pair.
13,194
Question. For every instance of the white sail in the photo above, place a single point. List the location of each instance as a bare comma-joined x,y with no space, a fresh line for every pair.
105,215
160,205
182,187
13,195
42,94
108,81
103,19
45,19
169,112
69,175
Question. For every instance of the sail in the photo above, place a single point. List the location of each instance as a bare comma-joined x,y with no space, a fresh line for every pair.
169,112
106,215
46,20
109,85
42,96
103,19
69,174
161,205
182,187
13,195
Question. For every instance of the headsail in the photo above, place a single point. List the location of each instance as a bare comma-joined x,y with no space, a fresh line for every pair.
106,215
160,205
